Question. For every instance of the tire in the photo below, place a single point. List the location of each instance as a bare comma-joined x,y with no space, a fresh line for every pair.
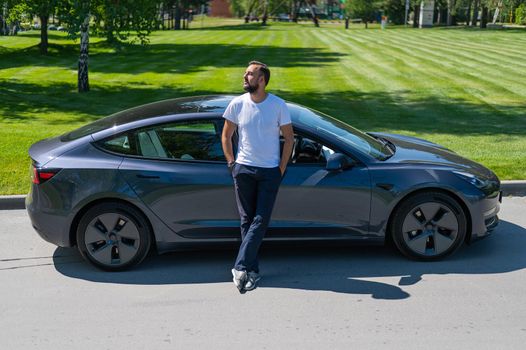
428,226
113,236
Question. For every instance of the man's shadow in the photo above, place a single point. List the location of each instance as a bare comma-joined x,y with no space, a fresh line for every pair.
340,268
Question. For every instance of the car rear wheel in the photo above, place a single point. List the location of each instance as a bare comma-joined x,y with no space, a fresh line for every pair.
429,226
113,236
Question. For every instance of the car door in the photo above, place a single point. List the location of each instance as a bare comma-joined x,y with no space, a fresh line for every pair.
314,202
181,174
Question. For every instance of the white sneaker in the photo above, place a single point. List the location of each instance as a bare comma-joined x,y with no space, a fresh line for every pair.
240,278
252,280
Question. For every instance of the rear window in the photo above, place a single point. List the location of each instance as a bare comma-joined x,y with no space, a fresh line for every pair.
156,109
96,126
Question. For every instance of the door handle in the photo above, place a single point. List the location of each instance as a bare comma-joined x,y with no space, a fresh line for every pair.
142,176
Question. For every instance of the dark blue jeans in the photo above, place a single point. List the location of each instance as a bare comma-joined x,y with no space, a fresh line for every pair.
256,190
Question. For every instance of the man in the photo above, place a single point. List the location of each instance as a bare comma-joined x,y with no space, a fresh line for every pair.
258,168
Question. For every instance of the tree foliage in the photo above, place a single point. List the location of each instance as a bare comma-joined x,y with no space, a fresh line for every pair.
520,14
364,9
120,19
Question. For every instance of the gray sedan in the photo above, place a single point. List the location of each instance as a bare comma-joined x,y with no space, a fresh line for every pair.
154,177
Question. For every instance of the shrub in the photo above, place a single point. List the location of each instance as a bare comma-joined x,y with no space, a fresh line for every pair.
520,14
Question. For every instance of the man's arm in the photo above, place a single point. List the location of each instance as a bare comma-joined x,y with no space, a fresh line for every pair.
226,141
288,135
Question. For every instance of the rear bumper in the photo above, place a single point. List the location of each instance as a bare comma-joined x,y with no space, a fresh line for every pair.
52,226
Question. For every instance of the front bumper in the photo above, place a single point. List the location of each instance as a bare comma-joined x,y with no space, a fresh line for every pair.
484,216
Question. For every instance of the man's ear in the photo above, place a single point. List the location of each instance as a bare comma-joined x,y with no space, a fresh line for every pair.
261,76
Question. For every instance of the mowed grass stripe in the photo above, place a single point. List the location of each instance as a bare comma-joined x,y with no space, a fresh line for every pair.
448,59
373,61
445,110
222,57
433,58
467,42
479,39
486,57
377,77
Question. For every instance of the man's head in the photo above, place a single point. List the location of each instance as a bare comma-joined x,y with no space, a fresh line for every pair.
256,75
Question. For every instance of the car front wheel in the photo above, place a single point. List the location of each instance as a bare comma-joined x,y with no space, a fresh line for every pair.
113,236
428,226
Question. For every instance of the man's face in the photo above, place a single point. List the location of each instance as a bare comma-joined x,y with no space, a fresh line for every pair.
251,78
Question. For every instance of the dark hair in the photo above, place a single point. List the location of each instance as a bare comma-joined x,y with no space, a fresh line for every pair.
263,68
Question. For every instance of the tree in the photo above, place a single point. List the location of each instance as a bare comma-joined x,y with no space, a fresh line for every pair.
120,19
520,14
43,9
364,9
76,14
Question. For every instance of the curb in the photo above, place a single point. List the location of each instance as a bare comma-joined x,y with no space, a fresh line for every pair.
509,188
12,202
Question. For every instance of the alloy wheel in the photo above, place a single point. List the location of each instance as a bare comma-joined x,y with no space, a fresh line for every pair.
430,229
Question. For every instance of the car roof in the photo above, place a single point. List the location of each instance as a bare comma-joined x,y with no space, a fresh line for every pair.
175,106
182,105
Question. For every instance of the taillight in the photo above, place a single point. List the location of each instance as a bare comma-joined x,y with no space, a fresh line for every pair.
41,175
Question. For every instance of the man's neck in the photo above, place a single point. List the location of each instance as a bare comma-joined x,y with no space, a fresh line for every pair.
258,96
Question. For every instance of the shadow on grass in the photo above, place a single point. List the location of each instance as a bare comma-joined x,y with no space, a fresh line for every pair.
26,102
337,268
167,58
477,29
377,111
52,35
241,26
382,111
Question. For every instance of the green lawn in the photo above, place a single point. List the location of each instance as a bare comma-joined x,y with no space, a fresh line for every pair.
463,88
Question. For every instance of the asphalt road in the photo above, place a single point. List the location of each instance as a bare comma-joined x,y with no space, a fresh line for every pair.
309,297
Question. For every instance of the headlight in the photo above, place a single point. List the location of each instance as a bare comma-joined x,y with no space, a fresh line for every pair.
473,179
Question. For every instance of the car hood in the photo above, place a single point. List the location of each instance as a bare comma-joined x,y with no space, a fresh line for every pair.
412,150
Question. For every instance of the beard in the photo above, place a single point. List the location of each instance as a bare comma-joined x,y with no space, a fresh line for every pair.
250,88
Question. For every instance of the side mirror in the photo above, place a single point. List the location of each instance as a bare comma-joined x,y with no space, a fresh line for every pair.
338,161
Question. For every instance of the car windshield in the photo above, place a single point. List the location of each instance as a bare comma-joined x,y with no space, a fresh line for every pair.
327,125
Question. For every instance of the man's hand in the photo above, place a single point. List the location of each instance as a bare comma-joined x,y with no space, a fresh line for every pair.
288,135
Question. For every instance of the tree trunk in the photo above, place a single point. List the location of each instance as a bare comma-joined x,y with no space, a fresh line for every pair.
468,12
177,18
474,19
365,24
265,16
83,81
450,5
484,17
43,34
249,11
295,12
416,16
3,26
346,22
314,16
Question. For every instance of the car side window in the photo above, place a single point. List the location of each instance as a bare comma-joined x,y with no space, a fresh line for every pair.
119,144
309,151
184,140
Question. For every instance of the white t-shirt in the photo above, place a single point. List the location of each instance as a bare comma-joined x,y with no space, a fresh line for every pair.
258,126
